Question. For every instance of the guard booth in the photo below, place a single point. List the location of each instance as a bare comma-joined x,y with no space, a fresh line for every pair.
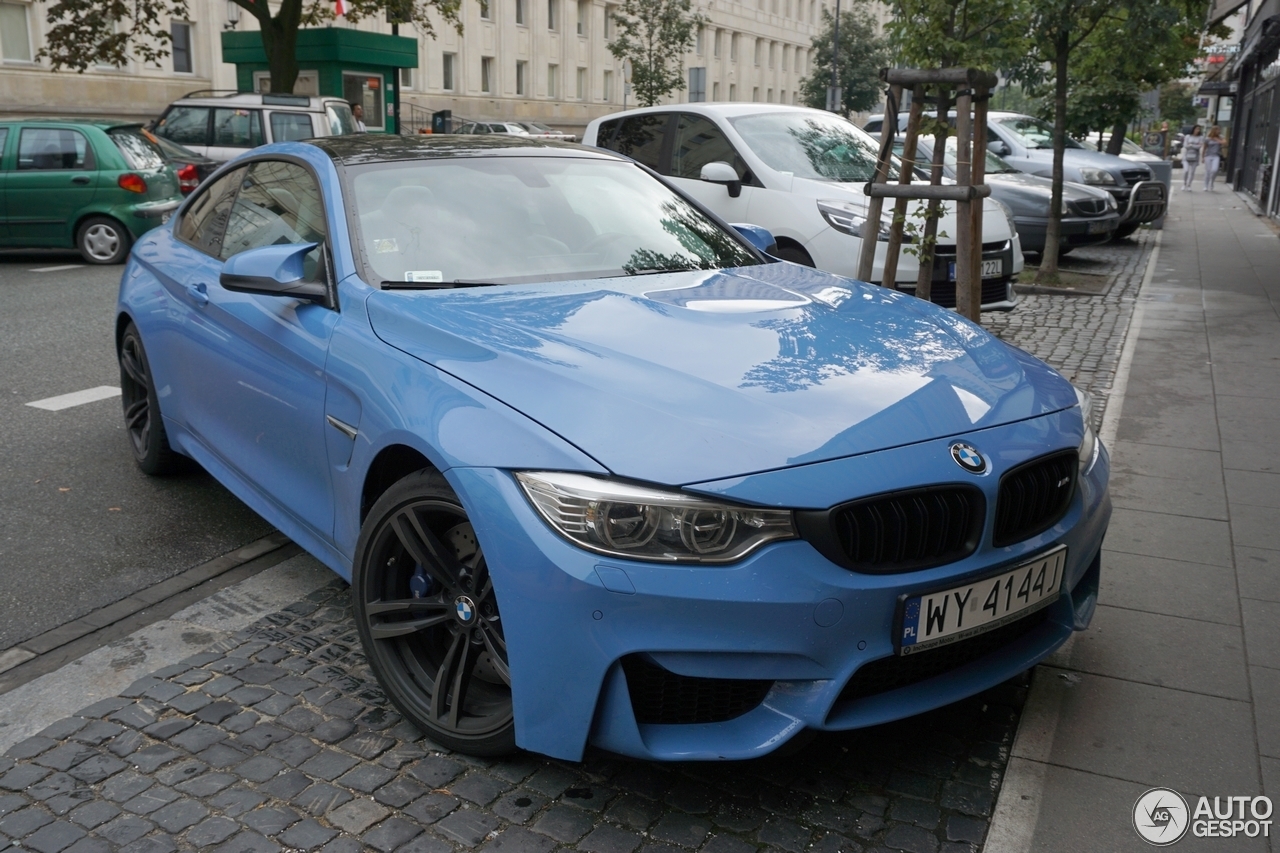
356,66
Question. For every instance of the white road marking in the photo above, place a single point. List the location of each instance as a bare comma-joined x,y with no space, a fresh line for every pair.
58,269
76,398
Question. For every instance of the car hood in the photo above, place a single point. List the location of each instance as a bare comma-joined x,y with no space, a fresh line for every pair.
1081,157
680,378
1020,190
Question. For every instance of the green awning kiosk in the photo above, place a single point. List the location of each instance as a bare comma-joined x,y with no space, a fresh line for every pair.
357,66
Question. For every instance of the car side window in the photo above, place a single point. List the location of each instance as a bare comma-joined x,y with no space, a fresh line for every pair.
235,128
698,141
641,137
206,218
185,125
48,148
604,133
286,127
278,203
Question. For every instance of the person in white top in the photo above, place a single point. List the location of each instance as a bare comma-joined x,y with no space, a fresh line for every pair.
1212,156
357,110
1192,154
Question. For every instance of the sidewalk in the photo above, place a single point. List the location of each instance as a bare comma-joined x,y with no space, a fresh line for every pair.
1177,682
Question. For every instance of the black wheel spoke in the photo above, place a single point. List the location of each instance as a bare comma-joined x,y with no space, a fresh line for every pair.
424,546
129,361
135,417
451,679
427,613
496,646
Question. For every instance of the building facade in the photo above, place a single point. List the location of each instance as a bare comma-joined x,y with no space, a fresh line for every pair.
543,60
1250,86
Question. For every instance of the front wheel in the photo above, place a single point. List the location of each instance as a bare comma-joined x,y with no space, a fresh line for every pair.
102,240
142,420
428,617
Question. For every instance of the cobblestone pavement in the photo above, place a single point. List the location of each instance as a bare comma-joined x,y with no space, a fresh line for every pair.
280,738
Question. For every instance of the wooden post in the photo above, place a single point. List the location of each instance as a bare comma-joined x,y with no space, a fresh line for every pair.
924,275
871,228
964,217
889,278
978,176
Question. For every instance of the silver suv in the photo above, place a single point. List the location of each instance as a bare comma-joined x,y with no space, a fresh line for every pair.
223,126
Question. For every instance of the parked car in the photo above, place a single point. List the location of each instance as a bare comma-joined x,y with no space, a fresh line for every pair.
799,173
542,131
94,186
191,168
224,126
599,471
1129,150
1026,143
481,127
1089,216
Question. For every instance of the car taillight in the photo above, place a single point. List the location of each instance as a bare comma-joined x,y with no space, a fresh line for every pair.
188,178
133,183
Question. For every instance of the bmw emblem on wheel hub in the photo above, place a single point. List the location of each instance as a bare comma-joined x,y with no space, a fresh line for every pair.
465,609
969,458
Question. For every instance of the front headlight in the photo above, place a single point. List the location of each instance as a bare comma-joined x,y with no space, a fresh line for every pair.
1097,176
1066,208
1089,445
643,523
1111,202
848,218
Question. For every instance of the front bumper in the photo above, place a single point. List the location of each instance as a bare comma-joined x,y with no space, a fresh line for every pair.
1075,231
785,615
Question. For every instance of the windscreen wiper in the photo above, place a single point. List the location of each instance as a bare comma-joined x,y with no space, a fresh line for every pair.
434,285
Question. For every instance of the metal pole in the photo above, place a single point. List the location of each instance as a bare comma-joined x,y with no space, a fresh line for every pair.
395,90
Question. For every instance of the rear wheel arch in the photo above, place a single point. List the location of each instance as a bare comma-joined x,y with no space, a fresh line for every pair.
793,250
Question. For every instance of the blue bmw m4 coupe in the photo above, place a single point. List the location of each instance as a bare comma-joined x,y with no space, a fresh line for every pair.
598,468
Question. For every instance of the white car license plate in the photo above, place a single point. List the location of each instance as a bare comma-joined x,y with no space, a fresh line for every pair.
949,615
990,269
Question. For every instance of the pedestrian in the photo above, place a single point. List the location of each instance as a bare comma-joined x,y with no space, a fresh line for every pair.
1192,154
1212,156
357,110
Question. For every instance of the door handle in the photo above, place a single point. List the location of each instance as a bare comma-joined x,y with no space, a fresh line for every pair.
200,293
80,179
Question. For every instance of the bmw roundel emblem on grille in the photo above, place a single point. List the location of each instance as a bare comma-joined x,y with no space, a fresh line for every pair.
465,609
969,458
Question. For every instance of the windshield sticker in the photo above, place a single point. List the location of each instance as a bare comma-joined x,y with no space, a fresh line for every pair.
424,275
383,247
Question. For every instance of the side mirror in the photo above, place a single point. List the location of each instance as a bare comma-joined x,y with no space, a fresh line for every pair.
720,172
273,271
999,147
755,235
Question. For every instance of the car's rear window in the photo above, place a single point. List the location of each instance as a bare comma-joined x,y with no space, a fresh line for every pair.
139,152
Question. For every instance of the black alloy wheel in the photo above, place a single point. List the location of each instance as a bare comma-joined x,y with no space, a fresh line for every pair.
428,617
142,421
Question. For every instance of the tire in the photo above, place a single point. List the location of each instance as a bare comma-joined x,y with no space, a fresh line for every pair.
1125,230
103,240
143,422
794,254
1065,250
427,614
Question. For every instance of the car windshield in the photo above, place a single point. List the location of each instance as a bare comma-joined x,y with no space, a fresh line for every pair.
171,150
140,152
503,220
818,146
1033,133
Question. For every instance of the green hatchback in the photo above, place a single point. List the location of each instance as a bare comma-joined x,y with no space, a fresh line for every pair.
94,186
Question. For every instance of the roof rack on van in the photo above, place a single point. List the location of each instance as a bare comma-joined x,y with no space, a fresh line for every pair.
222,93
279,100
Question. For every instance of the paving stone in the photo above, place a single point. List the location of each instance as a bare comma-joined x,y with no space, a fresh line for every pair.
152,758
357,815
126,743
390,834
125,786
832,843
151,844
436,772
738,816
31,747
206,784
53,785
190,702
54,838
155,797
307,834
101,708
479,788
287,785
262,736
213,831
912,839
241,722
915,811
89,844
320,798
65,756
609,839
11,803
164,691
332,731
517,806
23,822
275,704
780,832
236,800
260,768
295,751
248,694
125,829
346,844
427,844
968,799
177,816
247,842
366,745
198,738
515,839
550,781
467,826
270,821
134,715
727,844
366,778
686,830
565,824
166,729
93,813
221,685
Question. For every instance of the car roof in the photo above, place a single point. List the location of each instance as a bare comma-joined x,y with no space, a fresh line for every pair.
102,123
361,148
714,108
253,99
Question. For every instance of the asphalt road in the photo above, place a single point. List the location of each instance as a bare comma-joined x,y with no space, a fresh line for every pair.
80,526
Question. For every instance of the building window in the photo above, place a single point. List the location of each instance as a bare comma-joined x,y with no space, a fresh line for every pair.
485,14
812,10
773,49
715,43
775,7
364,89
769,96
755,94
553,15
733,91
608,87
715,91
759,50
553,80
180,47
582,84
733,48
15,33
486,74
608,22
446,68
787,13
522,72
782,96
406,78
697,85
786,57
584,19
697,42
520,10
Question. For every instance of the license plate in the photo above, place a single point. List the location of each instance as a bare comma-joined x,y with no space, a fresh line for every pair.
990,269
1099,226
950,615
1150,194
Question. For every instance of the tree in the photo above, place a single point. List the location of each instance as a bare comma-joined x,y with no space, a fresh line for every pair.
1177,105
986,34
106,32
654,35
863,52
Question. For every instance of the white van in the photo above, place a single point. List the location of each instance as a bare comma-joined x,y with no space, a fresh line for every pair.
222,127
798,172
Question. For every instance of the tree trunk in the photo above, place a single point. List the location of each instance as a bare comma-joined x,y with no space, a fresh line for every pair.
279,41
1116,142
1049,260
